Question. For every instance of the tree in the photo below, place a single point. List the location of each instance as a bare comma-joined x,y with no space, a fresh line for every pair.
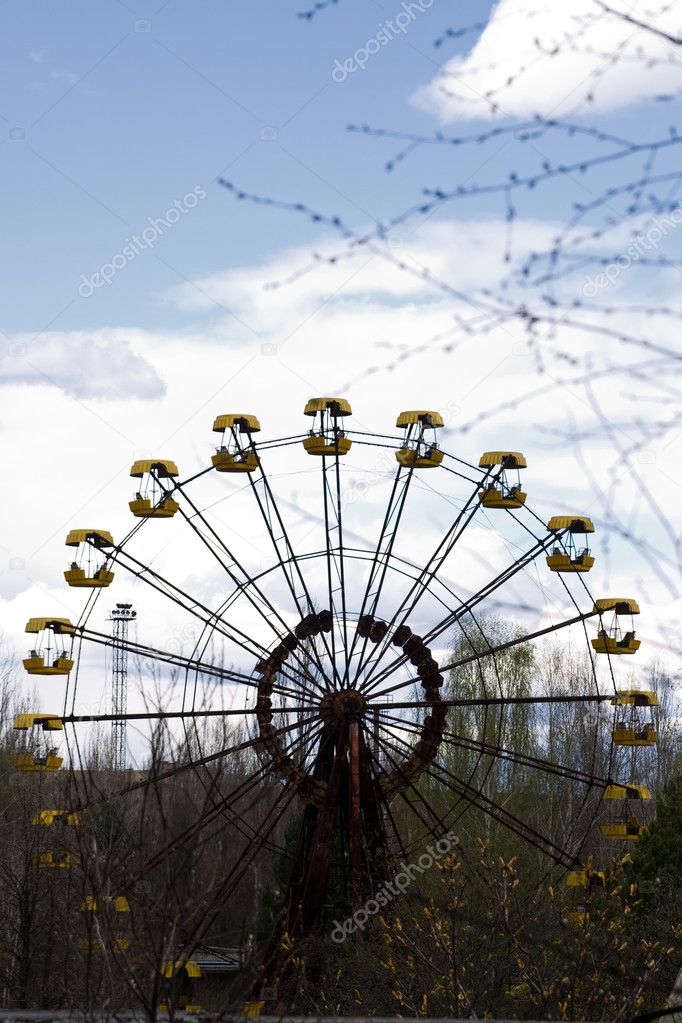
658,854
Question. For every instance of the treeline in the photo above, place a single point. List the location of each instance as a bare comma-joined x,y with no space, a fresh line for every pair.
545,750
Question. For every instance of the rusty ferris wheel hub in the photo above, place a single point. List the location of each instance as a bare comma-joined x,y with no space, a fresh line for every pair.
349,704
343,704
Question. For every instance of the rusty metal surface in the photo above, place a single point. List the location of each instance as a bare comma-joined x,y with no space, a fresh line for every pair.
354,830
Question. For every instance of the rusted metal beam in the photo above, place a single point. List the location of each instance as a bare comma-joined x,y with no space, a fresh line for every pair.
355,838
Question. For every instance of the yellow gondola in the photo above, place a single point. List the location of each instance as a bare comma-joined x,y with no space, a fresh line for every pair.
252,1009
95,944
635,698
190,971
185,1005
585,878
55,860
587,881
44,658
36,762
190,968
624,735
580,916
629,791
419,448
30,764
628,830
613,640
63,818
85,570
48,722
235,453
500,493
567,555
326,436
151,501
118,903
90,945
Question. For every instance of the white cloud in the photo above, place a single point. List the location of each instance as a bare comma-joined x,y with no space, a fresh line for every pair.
551,57
70,465
468,256
97,364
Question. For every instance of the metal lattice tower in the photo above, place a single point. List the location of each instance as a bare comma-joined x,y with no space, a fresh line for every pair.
121,616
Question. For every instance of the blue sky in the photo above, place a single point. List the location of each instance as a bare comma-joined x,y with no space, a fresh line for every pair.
112,111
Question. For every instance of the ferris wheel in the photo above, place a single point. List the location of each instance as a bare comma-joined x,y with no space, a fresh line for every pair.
323,615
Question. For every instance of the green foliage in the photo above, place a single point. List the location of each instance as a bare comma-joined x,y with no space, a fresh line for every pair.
657,856
271,902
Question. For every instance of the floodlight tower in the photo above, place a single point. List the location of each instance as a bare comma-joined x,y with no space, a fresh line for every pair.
121,617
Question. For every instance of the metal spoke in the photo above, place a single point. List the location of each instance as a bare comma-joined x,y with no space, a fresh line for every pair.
214,621
287,560
501,753
492,809
336,582
465,607
421,583
246,584
178,769
227,803
440,825
480,655
242,865
177,660
175,715
495,701
145,574
381,558
190,664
